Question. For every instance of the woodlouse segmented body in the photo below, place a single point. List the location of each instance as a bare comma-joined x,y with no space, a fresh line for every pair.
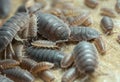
47,76
83,33
70,75
107,25
91,3
117,6
85,57
19,75
52,27
41,67
8,63
11,27
49,55
5,79
5,8
108,12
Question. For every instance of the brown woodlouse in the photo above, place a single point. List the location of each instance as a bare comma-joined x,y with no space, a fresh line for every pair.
11,27
5,8
8,63
117,6
108,12
107,25
47,76
19,75
70,75
91,3
39,54
52,27
5,79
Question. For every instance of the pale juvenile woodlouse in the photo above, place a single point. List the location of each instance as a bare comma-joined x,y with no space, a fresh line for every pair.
107,25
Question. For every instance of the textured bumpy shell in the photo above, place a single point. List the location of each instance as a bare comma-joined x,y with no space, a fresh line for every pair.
11,27
83,33
85,57
52,27
5,8
19,75
49,55
5,79
107,24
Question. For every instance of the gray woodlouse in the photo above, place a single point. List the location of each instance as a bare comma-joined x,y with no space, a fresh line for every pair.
19,75
108,12
53,56
47,76
91,3
8,63
85,57
5,79
107,25
83,33
70,75
11,27
117,6
52,27
5,8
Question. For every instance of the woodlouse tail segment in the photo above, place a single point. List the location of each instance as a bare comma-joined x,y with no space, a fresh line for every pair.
47,76
70,75
41,67
67,61
100,45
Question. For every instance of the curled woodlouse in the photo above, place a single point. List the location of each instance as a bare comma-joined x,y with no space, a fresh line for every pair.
108,12
83,33
47,76
19,75
11,27
41,67
8,63
85,57
70,75
5,79
49,55
5,8
52,27
91,3
107,25
117,6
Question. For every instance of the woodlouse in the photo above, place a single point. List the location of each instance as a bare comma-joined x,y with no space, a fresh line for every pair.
108,12
52,27
83,33
118,39
70,75
5,79
91,3
107,25
5,8
85,57
47,76
19,75
49,55
117,6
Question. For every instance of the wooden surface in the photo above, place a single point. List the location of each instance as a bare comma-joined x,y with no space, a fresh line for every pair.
109,65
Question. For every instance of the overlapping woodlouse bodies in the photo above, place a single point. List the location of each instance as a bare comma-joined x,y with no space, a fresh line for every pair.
8,63
85,57
5,8
39,54
108,12
117,6
83,33
5,79
52,27
19,75
70,75
91,3
107,25
11,27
